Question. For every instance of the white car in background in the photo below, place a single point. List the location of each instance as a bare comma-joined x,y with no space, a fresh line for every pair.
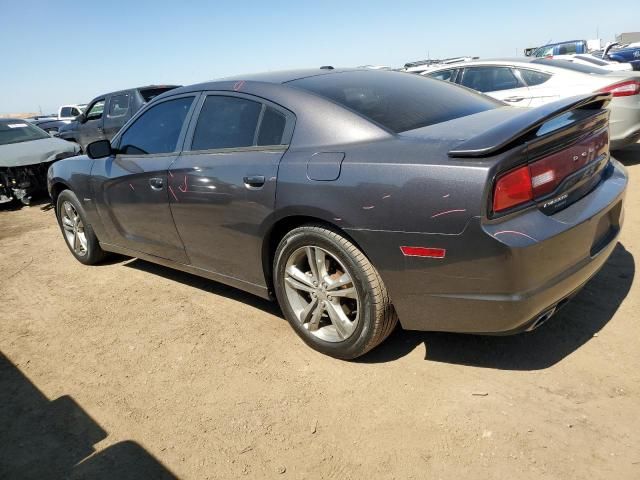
531,82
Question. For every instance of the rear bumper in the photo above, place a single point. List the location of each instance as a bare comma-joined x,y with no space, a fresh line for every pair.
500,277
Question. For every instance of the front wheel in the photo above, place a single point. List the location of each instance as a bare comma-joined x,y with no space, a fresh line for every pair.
78,234
330,293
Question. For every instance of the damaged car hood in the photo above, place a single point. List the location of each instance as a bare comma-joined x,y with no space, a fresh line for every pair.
35,151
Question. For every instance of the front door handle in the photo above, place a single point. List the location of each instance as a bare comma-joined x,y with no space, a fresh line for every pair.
514,99
156,183
254,181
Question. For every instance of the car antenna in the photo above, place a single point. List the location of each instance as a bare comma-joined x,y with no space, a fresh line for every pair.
326,67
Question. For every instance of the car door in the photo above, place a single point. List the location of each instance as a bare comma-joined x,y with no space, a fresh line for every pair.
131,187
223,186
91,129
500,82
117,113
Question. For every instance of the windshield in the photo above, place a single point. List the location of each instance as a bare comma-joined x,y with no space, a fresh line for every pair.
576,67
397,101
16,131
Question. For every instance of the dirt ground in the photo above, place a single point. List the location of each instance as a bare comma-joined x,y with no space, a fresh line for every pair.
131,370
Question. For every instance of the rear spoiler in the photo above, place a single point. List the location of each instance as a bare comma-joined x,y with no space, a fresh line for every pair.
503,134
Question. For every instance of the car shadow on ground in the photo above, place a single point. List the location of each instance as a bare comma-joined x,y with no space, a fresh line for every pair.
574,325
40,200
206,285
42,438
629,155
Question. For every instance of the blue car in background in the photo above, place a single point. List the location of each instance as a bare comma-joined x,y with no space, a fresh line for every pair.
623,55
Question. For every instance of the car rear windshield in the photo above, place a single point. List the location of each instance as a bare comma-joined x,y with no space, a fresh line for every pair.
149,94
16,131
576,67
395,100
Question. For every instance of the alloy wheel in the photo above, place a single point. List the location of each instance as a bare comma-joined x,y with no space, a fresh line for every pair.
73,229
322,294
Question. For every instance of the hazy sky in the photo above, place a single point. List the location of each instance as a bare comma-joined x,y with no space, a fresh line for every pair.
65,51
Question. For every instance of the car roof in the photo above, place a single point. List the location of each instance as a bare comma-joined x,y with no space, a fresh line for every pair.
531,62
276,77
146,87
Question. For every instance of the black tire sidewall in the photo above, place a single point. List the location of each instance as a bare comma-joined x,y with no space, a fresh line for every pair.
357,342
94,252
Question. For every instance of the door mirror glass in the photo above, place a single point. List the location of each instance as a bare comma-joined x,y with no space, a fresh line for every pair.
99,149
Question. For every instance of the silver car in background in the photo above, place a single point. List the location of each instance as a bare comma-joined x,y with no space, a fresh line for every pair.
531,82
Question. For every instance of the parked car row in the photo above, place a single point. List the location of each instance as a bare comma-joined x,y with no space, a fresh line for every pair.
612,53
26,152
399,197
27,149
107,113
531,82
66,114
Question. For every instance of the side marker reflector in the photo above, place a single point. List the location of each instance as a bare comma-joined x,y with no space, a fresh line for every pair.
424,252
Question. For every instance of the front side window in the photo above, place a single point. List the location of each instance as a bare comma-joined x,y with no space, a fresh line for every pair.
533,78
446,75
489,79
226,122
158,129
95,112
119,106
75,112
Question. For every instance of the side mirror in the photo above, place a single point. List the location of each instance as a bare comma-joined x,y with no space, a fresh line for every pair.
99,149
81,118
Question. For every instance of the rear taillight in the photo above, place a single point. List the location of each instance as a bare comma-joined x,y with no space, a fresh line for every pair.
543,176
623,89
512,189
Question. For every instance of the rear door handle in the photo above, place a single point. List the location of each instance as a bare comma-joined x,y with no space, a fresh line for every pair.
156,183
514,99
254,181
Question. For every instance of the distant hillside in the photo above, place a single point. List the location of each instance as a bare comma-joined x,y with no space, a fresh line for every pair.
19,115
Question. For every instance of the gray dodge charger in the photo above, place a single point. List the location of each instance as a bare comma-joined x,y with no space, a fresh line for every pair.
357,198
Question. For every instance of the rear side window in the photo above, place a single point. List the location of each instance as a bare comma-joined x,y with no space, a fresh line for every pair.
397,101
149,94
157,130
489,79
446,75
272,127
226,122
533,78
118,106
66,112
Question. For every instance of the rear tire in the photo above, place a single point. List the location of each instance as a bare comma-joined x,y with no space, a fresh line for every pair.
76,231
330,293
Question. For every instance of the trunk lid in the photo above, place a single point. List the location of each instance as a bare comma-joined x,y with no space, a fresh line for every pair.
561,149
